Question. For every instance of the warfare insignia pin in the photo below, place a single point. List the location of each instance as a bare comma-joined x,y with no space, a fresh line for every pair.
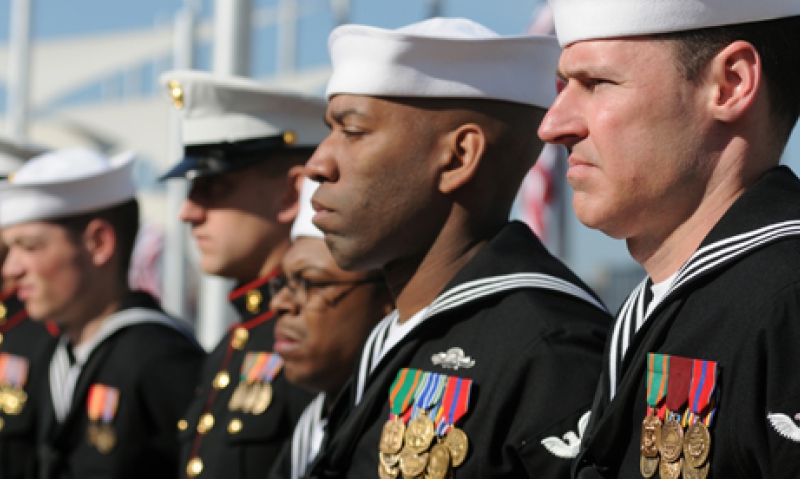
454,358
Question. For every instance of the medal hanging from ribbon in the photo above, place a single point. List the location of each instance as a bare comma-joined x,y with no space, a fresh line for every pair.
671,445
430,404
657,380
13,377
101,407
253,394
698,417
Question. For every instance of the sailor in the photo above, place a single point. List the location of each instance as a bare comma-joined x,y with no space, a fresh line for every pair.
325,315
493,353
676,113
244,147
25,350
123,371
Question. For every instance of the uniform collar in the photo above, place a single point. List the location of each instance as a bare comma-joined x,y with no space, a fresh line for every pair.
251,300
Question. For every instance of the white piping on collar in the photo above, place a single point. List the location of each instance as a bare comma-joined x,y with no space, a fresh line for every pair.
458,296
303,447
702,261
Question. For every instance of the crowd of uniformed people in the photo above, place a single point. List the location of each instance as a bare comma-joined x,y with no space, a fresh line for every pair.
392,321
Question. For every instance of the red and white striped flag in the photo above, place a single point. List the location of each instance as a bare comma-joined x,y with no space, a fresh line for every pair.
539,193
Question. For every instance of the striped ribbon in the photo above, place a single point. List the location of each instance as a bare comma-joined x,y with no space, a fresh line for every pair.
102,402
454,404
701,393
401,395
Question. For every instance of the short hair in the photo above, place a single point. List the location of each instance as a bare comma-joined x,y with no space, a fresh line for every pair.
124,220
776,42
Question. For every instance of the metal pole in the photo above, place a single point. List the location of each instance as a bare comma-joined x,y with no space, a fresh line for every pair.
287,36
19,71
232,37
231,57
176,231
341,11
434,8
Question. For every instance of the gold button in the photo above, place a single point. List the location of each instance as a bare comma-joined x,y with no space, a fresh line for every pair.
235,426
289,137
3,313
254,299
1,339
240,336
221,380
182,425
176,92
2,423
194,467
205,424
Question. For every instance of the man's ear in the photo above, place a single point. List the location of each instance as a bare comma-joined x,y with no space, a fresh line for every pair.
290,200
735,77
465,148
100,241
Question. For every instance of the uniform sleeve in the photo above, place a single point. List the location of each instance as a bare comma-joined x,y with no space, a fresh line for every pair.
554,410
779,349
166,388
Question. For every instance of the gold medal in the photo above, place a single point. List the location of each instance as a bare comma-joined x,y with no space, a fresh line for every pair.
253,392
106,438
439,462
420,434
389,460
458,444
263,399
392,436
651,434
385,472
91,433
670,470
671,441
412,464
648,466
690,472
237,398
696,443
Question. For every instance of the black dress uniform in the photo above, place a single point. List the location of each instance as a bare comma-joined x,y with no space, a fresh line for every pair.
151,365
528,333
21,337
736,303
217,442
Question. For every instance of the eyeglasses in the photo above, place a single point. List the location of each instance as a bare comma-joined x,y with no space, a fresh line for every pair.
302,290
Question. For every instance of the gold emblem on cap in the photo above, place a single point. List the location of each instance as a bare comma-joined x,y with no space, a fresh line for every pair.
194,467
289,137
205,424
182,425
240,336
254,299
221,380
176,92
235,426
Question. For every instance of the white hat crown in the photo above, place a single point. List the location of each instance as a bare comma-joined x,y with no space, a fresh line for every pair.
443,58
228,109
64,183
578,20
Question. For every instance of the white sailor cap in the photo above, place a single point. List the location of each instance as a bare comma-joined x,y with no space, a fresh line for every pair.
65,183
14,153
232,122
578,20
303,227
443,58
